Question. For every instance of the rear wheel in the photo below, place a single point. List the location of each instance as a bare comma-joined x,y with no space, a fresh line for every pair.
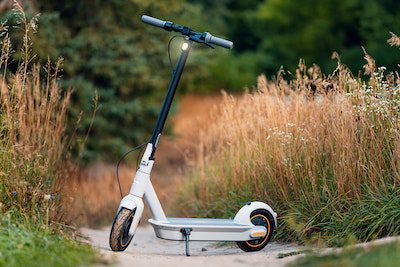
263,218
119,236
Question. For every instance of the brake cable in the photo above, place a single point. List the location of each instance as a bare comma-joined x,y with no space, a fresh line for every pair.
142,145
120,160
169,52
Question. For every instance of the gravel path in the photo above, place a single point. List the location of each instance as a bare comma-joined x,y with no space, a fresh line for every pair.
149,251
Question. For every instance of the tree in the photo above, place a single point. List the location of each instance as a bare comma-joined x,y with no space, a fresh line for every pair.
106,48
314,29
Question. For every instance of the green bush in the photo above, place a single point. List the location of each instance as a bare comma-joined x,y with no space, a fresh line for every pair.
29,246
108,49
386,255
322,150
34,159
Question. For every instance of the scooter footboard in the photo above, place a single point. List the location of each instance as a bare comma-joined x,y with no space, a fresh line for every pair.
204,229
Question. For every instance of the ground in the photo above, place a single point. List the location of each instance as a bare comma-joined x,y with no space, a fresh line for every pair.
148,250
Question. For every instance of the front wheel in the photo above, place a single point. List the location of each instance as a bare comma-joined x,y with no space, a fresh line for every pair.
263,218
119,236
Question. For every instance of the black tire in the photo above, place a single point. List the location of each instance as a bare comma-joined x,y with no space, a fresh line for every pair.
119,236
264,218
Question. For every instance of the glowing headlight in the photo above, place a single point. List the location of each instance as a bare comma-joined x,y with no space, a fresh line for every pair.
185,46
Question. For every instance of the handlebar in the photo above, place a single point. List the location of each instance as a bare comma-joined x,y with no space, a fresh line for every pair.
199,37
153,21
218,41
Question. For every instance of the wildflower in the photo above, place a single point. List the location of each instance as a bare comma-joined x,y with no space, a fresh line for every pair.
302,139
47,197
23,183
285,161
33,24
14,193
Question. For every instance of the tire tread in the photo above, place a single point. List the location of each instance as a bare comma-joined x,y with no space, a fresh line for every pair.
117,230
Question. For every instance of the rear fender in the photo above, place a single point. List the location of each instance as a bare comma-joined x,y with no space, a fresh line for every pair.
243,215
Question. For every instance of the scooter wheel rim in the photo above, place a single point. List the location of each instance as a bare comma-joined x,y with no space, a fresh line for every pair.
260,219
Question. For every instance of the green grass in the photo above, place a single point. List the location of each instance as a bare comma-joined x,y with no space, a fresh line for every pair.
23,246
338,222
383,256
34,158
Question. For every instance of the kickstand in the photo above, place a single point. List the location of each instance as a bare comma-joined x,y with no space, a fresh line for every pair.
186,234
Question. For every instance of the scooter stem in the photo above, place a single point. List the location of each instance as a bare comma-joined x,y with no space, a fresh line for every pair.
176,76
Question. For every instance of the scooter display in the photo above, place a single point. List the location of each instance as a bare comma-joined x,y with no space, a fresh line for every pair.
253,225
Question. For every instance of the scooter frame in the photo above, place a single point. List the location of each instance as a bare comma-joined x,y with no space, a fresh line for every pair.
239,229
203,229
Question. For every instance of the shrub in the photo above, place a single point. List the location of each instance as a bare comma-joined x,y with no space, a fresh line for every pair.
32,132
385,255
24,246
324,151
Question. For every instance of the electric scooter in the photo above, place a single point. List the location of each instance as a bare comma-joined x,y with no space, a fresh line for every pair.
253,225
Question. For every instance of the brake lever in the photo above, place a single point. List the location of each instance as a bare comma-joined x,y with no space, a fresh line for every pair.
207,44
197,39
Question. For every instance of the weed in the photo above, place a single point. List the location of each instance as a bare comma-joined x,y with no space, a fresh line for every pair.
383,255
33,246
323,150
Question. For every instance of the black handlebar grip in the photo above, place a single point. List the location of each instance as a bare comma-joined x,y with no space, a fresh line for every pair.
218,41
153,21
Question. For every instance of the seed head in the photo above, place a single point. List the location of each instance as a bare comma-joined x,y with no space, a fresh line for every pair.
394,40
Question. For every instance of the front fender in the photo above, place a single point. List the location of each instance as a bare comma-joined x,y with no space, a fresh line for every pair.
132,202
243,215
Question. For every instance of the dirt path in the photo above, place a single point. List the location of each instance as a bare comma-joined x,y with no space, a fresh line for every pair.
147,250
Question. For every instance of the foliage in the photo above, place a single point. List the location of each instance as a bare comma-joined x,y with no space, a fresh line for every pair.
287,30
108,50
32,134
276,33
125,62
386,255
322,150
33,158
22,246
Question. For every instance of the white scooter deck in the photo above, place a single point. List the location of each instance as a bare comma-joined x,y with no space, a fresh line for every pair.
205,229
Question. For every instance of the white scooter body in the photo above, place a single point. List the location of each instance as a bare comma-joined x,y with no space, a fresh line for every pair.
238,229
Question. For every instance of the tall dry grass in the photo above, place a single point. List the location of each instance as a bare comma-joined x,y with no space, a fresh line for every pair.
32,131
93,194
324,151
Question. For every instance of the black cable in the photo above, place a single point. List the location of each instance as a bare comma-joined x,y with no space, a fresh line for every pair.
169,54
138,158
120,160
